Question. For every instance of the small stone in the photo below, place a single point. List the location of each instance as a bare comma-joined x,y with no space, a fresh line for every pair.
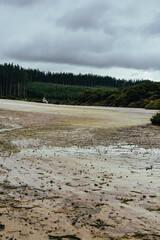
2,226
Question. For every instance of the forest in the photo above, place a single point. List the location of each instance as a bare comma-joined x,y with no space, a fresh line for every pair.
145,94
81,89
14,80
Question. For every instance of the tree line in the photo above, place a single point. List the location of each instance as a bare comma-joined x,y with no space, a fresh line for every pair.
83,89
145,94
14,80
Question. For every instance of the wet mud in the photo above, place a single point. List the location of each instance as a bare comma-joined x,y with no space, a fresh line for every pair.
61,178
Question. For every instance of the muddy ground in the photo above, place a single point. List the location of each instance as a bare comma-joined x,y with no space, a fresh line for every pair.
78,173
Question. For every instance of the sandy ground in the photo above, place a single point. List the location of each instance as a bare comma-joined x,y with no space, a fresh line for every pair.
83,173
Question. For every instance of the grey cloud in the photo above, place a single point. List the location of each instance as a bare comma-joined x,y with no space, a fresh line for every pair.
99,34
98,53
88,16
20,3
108,16
62,44
153,28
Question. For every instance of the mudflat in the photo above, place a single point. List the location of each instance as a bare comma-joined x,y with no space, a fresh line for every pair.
70,172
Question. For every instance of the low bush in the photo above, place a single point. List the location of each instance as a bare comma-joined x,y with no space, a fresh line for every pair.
153,104
156,119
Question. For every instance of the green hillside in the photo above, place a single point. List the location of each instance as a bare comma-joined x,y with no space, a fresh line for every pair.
145,94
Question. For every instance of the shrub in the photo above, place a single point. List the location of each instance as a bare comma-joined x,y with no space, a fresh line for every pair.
153,104
156,119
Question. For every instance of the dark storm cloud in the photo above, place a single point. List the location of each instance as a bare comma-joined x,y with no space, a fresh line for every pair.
99,34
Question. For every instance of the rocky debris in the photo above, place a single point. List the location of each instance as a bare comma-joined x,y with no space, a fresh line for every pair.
72,237
2,226
149,168
145,236
101,224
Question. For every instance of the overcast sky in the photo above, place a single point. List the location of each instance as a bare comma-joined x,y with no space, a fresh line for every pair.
106,37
